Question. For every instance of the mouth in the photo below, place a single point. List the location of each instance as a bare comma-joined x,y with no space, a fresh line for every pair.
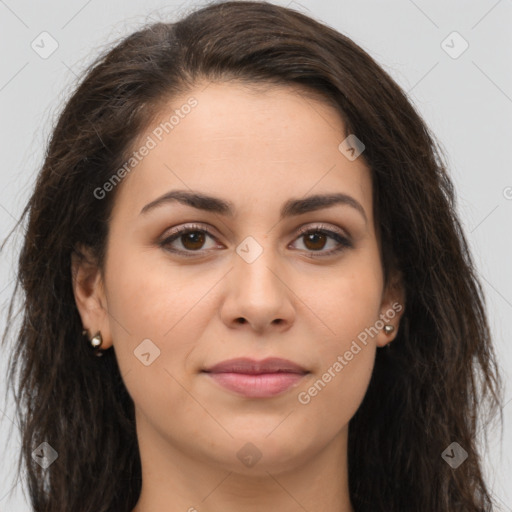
257,379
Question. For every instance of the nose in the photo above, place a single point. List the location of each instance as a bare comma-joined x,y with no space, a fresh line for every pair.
257,296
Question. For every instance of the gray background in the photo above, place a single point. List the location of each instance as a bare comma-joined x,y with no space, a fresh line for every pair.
466,100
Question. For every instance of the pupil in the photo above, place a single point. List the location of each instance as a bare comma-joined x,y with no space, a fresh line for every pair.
195,238
311,238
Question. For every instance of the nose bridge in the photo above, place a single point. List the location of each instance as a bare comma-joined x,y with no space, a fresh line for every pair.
256,265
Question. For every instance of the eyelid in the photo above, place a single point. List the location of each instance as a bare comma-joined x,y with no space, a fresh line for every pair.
343,239
193,226
322,227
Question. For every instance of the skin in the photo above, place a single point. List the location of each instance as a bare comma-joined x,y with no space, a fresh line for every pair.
256,148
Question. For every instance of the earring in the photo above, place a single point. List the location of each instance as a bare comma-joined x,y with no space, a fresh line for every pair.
388,329
95,342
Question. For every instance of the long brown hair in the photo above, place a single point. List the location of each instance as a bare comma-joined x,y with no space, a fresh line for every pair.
427,391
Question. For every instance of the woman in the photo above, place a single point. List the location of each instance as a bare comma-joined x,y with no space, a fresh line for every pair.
246,218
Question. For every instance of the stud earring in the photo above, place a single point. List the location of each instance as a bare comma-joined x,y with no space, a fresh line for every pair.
95,342
388,329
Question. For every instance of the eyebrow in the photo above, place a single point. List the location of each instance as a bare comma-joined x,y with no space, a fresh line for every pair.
290,208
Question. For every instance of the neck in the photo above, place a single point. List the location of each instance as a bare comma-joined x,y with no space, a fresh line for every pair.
177,481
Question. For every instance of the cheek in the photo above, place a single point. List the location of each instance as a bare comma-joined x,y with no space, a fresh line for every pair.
348,304
146,297
158,310
348,299
346,355
332,397
152,326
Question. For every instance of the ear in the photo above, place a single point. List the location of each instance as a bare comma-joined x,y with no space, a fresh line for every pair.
392,307
89,292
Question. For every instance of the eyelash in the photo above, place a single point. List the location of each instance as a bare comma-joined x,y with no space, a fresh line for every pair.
343,242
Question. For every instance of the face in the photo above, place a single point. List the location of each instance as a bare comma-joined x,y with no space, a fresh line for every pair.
259,272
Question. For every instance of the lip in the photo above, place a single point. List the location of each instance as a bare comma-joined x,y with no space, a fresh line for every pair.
257,379
253,367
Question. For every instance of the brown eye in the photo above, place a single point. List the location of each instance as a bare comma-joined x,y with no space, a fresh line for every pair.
315,241
193,240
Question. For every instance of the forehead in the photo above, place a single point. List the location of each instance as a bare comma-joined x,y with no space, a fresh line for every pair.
250,145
